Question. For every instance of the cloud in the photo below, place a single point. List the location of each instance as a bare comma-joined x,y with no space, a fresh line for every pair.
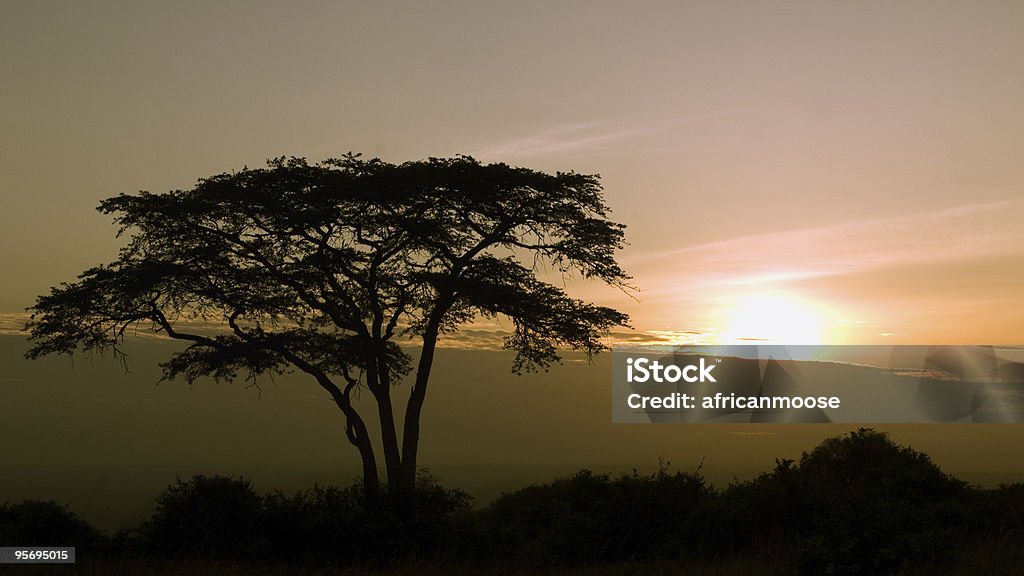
473,338
590,137
969,231
571,138
12,322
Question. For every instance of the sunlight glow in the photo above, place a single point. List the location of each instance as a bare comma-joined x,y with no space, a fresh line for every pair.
776,317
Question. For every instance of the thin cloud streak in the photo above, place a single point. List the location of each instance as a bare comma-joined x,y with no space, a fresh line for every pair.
13,322
980,230
483,335
588,137
569,138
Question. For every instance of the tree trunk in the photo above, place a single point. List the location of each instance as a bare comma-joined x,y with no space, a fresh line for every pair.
389,436
371,483
357,436
378,380
355,427
411,432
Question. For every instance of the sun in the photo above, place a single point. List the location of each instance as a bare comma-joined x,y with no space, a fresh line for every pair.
775,317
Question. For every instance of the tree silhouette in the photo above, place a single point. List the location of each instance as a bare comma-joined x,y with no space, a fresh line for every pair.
324,268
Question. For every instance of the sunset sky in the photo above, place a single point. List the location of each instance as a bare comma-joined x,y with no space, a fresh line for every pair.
851,167
797,172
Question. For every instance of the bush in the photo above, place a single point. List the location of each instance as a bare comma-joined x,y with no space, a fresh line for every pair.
342,524
222,516
856,504
317,524
589,517
207,515
39,523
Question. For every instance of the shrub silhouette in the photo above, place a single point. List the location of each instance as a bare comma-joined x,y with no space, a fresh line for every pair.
856,504
343,524
215,515
45,523
224,517
315,524
590,517
1010,499
998,512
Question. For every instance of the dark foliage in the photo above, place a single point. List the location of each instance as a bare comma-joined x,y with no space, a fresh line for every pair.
341,524
999,511
856,504
39,523
214,515
591,517
223,517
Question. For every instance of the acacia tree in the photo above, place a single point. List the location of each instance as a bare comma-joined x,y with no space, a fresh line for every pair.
325,268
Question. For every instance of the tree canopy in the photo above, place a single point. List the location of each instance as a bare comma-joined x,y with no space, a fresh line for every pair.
326,268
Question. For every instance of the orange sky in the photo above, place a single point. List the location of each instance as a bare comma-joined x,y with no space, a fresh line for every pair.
834,172
952,275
